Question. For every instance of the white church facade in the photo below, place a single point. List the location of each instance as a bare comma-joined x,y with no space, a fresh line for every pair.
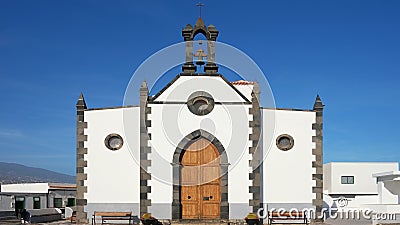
222,164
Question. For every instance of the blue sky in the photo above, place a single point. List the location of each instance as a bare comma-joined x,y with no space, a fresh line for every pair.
346,51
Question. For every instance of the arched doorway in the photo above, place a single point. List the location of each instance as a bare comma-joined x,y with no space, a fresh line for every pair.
219,150
201,181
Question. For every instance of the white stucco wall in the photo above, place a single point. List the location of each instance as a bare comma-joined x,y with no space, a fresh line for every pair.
229,123
327,181
112,176
352,201
364,182
26,188
388,187
245,90
6,205
287,175
181,89
385,195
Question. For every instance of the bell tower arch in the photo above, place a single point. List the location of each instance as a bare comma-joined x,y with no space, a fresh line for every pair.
211,34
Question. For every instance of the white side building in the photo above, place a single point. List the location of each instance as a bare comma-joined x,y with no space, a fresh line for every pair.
350,185
14,197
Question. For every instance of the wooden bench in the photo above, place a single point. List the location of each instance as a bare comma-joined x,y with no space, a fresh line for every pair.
107,216
301,217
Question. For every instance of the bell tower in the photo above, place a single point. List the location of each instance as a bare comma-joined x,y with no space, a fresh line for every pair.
211,34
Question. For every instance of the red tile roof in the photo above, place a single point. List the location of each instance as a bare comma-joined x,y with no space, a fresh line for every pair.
242,82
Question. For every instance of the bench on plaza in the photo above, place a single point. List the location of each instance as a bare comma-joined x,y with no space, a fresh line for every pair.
111,216
279,217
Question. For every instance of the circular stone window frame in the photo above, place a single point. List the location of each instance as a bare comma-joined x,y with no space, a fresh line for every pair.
200,96
285,148
108,138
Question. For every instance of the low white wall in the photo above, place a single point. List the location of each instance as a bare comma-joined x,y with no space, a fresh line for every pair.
25,188
6,204
385,196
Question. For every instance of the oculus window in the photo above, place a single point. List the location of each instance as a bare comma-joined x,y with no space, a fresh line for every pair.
200,103
114,142
285,142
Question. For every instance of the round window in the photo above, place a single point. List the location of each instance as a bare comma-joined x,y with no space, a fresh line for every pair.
200,103
113,141
284,142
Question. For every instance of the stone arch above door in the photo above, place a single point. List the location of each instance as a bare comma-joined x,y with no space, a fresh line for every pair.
179,151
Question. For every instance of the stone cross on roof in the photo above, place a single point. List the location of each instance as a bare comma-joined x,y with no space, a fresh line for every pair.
200,5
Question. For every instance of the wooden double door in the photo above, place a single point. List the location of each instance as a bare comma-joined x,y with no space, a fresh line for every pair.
200,181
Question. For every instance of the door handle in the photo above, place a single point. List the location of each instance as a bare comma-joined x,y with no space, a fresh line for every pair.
207,198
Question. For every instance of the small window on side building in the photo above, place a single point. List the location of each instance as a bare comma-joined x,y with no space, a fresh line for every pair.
57,203
347,180
71,202
36,202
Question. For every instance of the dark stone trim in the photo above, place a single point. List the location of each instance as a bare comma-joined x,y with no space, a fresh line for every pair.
81,189
255,151
151,99
210,68
234,88
288,109
183,103
318,153
201,74
114,107
145,149
179,151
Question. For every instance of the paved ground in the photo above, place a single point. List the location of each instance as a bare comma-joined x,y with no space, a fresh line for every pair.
18,222
362,222
348,222
327,222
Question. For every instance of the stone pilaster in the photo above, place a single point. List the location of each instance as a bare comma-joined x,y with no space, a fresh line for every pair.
81,189
145,149
188,67
255,151
211,67
318,164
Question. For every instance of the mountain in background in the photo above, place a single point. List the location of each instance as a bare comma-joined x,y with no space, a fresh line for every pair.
11,173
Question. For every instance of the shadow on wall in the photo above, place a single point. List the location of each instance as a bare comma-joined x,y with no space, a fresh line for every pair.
329,209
